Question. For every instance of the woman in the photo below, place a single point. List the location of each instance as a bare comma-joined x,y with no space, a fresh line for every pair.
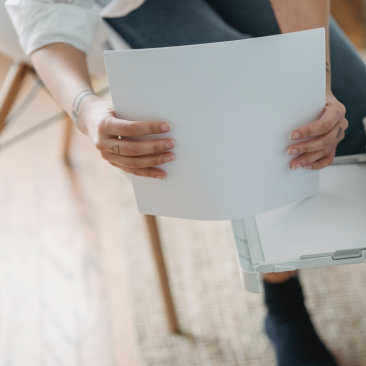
58,33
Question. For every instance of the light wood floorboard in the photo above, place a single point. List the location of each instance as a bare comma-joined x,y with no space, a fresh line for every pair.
63,284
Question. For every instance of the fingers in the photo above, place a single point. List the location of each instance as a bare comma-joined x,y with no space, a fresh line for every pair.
112,126
333,114
137,157
145,161
306,160
143,172
323,162
335,135
323,137
135,148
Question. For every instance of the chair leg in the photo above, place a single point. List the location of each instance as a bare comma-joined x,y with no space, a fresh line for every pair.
67,139
162,272
10,89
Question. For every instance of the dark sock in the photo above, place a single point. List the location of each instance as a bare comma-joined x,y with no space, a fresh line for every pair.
290,329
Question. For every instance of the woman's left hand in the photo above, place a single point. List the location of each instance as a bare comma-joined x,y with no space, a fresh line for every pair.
323,137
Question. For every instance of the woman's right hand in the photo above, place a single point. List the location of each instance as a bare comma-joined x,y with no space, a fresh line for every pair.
97,119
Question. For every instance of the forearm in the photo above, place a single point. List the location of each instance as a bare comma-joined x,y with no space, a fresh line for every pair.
63,70
298,15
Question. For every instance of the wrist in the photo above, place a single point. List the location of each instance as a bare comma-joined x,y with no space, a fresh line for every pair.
93,110
81,105
328,92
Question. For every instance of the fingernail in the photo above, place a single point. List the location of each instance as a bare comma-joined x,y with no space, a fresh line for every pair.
308,167
165,127
168,158
295,136
160,177
292,151
297,166
170,144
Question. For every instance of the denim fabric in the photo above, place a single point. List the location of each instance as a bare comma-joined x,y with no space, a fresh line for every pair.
166,23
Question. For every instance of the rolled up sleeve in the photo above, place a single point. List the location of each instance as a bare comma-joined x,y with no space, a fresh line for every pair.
39,23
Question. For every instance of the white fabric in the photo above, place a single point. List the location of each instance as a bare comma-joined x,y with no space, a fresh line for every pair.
9,40
120,8
42,22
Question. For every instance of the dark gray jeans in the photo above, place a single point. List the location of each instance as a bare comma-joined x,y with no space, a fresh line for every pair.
165,23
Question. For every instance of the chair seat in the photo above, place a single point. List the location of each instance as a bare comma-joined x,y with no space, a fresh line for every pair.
332,220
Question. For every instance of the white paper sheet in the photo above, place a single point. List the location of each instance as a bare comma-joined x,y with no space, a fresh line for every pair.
332,220
232,106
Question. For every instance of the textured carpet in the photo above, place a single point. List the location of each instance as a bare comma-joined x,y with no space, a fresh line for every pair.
222,323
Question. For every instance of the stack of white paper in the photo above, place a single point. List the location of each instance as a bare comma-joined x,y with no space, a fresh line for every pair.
232,106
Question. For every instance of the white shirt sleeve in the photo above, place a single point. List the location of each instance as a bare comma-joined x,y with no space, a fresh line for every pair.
42,22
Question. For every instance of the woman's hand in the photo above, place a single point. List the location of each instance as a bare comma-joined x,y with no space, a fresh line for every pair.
64,71
97,119
323,137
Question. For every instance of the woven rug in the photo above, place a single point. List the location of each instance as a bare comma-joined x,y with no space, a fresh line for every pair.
222,323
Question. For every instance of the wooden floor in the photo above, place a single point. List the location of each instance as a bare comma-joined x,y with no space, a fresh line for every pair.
63,285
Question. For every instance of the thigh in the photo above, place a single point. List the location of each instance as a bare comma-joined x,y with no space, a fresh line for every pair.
349,87
254,17
166,23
